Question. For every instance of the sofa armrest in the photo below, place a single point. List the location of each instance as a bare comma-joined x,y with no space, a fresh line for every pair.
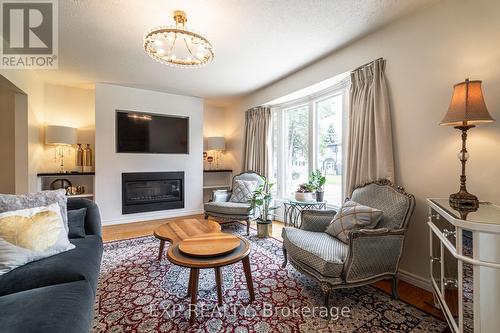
221,195
316,220
373,253
92,217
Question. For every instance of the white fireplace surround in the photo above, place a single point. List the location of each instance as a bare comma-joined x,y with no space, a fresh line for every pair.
110,165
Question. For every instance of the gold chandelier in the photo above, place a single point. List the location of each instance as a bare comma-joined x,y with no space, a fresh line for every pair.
178,46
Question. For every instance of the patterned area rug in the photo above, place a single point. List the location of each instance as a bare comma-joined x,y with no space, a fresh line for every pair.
137,293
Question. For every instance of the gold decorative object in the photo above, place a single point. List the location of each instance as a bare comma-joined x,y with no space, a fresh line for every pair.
177,46
79,156
467,108
87,158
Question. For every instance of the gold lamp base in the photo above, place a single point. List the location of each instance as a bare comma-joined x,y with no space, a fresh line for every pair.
463,200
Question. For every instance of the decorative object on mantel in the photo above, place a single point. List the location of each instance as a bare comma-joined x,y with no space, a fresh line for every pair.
62,137
79,156
218,145
88,162
177,46
467,108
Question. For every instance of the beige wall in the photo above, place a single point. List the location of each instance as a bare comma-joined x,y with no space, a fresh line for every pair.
73,107
7,142
426,54
30,83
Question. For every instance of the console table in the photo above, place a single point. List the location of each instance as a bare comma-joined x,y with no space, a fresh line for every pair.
465,265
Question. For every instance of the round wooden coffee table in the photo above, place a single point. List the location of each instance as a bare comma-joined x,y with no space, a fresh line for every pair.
196,263
178,230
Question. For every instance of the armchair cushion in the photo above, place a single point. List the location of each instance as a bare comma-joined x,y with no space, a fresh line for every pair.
318,250
353,216
227,208
243,190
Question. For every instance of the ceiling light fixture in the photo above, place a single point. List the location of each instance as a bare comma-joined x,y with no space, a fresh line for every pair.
178,46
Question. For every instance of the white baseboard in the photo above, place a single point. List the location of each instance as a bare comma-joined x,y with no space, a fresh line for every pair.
141,217
415,280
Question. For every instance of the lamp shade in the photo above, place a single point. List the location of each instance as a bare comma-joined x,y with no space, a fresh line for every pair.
60,135
467,105
216,143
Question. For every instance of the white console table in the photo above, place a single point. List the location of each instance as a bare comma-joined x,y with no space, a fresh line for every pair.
465,265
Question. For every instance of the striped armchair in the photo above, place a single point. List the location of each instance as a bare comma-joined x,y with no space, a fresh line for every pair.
369,256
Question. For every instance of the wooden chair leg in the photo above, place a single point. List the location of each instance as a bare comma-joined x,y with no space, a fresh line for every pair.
248,276
218,282
162,246
190,285
248,227
394,287
194,295
285,258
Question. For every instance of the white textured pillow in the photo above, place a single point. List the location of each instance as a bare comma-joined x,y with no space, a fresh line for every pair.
31,234
353,216
243,190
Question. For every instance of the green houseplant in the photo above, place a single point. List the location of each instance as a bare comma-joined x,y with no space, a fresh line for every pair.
318,180
261,201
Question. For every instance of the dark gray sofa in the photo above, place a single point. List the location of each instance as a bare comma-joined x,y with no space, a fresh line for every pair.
56,294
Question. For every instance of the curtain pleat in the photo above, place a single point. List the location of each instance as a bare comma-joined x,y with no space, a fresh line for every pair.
369,145
257,127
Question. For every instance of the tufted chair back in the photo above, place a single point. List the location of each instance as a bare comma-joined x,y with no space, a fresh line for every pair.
396,204
249,176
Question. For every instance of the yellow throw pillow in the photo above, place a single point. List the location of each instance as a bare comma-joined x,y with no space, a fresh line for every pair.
31,234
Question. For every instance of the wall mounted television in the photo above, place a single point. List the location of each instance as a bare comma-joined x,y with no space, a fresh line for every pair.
139,132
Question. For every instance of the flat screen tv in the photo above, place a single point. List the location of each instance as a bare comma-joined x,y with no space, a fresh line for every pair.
138,132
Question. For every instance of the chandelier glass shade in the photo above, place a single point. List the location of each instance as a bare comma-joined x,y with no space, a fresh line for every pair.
177,46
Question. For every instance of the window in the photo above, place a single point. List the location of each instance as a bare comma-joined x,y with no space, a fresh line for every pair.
307,135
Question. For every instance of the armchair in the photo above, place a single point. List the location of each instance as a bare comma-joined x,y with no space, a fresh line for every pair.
225,211
369,256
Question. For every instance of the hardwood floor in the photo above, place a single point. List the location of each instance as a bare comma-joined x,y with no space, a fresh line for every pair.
408,293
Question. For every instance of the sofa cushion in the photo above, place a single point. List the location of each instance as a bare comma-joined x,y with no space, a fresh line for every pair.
31,234
243,190
353,216
59,308
10,202
318,250
81,263
228,208
76,223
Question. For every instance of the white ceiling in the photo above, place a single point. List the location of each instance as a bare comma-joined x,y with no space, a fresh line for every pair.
256,41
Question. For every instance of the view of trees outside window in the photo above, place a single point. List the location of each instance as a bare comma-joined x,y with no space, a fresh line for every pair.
296,163
329,159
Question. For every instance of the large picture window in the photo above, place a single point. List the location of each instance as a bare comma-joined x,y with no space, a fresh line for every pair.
308,134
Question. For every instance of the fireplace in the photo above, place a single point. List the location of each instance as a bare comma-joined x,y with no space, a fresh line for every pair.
152,191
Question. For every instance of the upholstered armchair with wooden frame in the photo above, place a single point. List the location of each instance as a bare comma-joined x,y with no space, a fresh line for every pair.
225,211
370,255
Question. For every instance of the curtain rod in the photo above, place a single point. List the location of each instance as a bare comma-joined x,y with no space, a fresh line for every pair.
367,64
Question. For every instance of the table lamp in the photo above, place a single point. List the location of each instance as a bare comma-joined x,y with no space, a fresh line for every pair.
218,144
466,109
62,137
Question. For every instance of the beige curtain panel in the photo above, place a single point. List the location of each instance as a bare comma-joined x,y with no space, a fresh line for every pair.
369,145
257,127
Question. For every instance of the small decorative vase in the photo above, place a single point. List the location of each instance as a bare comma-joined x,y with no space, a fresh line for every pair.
320,196
87,159
79,156
264,228
303,196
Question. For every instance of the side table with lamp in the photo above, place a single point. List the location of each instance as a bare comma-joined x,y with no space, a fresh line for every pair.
464,234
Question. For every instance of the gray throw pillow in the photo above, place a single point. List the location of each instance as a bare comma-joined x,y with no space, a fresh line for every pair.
243,190
352,216
10,202
76,223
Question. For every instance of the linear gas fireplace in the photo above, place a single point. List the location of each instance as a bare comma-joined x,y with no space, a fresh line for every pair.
151,191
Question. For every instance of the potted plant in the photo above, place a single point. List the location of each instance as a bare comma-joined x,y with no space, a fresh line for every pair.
305,192
318,180
261,200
